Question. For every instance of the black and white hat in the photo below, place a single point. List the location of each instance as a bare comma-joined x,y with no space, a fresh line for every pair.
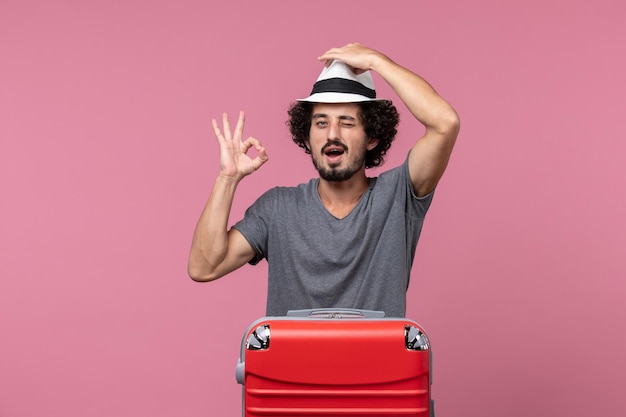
339,84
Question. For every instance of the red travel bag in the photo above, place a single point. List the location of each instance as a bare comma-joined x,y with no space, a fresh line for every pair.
335,363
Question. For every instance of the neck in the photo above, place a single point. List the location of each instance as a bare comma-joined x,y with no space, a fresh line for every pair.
340,197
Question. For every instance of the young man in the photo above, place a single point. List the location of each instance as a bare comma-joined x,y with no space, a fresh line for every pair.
341,240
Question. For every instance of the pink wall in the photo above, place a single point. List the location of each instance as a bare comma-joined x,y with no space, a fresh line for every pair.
107,157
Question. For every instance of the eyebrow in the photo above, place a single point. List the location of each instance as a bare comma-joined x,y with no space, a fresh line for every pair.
323,115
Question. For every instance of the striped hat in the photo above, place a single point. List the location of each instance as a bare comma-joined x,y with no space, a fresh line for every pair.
339,84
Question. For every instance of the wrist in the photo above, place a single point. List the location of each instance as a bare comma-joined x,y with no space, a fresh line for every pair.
380,62
229,180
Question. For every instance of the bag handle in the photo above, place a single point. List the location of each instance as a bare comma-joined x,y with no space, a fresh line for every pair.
336,313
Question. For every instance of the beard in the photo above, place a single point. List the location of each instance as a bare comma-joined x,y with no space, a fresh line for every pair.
335,174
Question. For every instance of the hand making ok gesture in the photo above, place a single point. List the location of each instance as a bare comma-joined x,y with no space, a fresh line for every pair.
234,160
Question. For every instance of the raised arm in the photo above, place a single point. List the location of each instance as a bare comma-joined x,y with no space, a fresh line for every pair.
216,251
430,154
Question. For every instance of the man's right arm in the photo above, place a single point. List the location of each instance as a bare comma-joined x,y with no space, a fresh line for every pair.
216,251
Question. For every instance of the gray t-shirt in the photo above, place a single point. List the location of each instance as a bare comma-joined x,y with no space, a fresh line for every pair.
318,261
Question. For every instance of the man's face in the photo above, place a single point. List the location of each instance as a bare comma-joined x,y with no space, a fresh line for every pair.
337,141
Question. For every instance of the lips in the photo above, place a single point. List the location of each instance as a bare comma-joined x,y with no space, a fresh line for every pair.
334,149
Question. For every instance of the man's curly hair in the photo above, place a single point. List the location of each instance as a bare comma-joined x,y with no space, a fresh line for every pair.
380,120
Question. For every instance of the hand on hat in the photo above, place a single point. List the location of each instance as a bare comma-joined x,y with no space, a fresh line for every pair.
234,161
358,56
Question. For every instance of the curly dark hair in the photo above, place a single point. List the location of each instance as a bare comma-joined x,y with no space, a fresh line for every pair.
380,120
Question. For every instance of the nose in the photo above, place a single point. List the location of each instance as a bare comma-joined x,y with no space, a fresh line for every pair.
333,131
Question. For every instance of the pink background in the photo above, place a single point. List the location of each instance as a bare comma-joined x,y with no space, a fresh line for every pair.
107,158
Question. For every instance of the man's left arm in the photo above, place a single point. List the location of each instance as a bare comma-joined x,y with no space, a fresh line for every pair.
429,156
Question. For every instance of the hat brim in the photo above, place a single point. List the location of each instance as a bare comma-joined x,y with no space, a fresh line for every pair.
338,98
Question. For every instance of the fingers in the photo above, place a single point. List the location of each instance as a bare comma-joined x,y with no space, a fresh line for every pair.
239,127
335,53
226,125
355,55
256,144
261,157
327,57
217,131
225,133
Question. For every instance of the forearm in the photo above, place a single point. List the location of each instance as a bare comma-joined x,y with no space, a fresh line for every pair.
418,95
209,245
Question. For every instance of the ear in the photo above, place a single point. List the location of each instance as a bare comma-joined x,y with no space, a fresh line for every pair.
307,144
372,143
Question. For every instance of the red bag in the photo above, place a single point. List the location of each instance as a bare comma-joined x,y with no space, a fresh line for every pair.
335,363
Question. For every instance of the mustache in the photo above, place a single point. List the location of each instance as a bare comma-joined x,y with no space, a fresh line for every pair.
335,143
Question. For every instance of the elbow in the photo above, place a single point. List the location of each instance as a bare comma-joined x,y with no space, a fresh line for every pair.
446,125
198,274
199,278
450,124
